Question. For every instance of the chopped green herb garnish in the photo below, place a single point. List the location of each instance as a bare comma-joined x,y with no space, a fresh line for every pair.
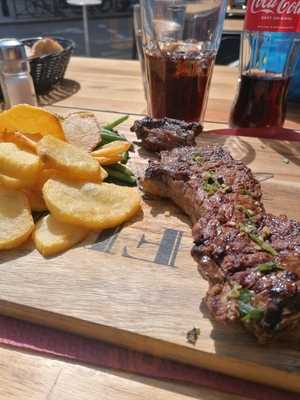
262,244
235,292
250,229
246,192
212,184
266,233
245,295
197,158
226,188
253,314
247,311
248,213
269,267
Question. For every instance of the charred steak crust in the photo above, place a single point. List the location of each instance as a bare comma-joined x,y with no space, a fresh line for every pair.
165,134
251,259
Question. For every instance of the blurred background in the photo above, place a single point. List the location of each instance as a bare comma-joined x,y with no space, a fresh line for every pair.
110,25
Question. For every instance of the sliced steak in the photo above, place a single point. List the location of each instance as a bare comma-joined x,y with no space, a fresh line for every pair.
251,259
165,134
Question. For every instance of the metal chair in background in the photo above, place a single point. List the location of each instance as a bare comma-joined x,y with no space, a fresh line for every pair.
84,4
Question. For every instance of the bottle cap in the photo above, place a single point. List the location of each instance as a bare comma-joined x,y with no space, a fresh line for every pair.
12,50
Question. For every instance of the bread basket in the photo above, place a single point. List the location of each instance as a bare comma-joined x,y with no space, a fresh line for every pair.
50,69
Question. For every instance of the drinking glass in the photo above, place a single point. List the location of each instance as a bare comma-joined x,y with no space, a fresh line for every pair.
138,34
181,40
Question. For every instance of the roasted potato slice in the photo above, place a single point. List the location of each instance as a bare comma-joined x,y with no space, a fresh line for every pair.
16,223
46,174
11,183
71,160
36,200
82,129
19,139
18,163
104,174
112,149
52,236
91,205
29,119
109,160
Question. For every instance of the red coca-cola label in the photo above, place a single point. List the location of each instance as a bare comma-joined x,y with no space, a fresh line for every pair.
273,15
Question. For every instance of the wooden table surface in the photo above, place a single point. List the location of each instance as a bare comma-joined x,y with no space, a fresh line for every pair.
108,87
233,25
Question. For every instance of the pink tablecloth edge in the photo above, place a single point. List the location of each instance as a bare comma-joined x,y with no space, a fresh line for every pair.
24,335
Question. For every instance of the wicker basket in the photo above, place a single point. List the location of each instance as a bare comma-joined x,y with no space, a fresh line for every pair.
50,69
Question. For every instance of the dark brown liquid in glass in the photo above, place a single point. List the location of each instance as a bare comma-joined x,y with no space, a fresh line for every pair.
178,84
261,101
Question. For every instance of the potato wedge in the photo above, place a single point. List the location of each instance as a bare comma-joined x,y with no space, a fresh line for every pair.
19,139
110,160
75,162
36,200
16,223
52,236
111,149
18,163
82,130
29,119
91,205
11,183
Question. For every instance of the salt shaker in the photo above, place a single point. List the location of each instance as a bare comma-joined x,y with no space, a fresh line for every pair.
15,79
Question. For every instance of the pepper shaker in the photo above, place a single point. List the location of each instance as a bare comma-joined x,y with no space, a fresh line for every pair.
15,78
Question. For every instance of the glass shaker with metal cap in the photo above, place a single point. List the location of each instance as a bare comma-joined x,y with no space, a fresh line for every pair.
15,79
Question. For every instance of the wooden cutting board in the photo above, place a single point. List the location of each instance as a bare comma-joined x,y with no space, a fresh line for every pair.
137,286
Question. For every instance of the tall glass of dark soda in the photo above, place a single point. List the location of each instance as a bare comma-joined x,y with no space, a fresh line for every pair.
181,39
269,46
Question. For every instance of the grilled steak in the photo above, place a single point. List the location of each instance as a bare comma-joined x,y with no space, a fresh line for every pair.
165,134
251,259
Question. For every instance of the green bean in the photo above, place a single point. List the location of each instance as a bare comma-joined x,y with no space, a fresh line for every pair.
125,157
108,138
122,168
110,132
113,174
115,123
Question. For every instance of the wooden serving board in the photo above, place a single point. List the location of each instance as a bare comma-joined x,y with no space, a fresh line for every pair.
139,287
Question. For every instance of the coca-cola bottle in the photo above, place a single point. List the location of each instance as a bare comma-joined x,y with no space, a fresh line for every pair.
269,47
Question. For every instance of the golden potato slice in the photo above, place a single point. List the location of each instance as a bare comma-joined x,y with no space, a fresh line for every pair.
75,162
43,176
52,236
91,205
11,183
18,163
103,173
29,119
19,139
108,160
46,174
111,149
36,200
34,137
16,223
82,129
